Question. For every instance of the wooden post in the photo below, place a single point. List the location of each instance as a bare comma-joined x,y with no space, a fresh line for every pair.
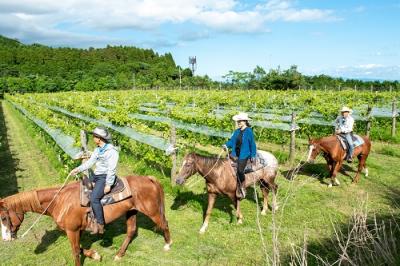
368,121
173,155
292,138
394,116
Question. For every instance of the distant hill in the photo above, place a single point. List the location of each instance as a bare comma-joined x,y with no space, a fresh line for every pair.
9,42
19,60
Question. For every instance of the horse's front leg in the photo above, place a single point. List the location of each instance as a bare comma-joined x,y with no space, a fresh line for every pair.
74,237
361,165
130,232
239,215
335,169
211,201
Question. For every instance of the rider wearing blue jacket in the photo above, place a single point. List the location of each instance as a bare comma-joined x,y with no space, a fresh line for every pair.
243,148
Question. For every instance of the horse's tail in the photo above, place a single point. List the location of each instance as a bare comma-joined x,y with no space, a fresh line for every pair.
161,203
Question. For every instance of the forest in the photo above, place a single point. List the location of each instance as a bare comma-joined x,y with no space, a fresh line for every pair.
40,68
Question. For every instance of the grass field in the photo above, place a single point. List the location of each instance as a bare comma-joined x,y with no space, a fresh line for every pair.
309,210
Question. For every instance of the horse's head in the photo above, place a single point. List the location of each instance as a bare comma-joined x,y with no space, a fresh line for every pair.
313,150
10,222
188,168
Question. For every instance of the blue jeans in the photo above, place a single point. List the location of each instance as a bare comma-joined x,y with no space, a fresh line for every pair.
97,194
351,144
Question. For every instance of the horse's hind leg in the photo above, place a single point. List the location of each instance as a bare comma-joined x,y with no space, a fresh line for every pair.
130,232
162,223
265,189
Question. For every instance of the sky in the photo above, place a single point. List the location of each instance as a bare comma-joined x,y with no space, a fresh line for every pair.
343,38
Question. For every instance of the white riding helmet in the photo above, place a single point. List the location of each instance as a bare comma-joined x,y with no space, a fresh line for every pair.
102,133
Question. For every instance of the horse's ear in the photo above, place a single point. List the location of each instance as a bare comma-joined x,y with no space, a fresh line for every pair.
2,204
309,139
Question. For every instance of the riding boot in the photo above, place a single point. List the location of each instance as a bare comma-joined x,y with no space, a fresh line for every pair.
240,192
239,195
97,229
243,190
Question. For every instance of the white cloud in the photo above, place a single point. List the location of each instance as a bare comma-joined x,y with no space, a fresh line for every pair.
364,71
147,15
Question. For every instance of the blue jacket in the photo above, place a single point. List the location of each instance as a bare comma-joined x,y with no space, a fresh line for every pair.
248,148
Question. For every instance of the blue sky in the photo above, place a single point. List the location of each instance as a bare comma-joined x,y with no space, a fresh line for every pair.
352,39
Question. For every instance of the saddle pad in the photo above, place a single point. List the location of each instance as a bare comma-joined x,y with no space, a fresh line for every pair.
262,161
119,192
357,141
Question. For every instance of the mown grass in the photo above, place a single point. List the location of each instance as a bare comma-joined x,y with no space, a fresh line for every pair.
308,208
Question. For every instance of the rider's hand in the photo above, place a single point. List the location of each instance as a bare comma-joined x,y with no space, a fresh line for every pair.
74,172
224,147
107,189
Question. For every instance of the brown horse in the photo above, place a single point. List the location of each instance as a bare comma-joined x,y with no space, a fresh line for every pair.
66,211
334,155
221,179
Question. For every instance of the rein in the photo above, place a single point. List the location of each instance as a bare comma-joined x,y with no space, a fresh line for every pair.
45,210
219,157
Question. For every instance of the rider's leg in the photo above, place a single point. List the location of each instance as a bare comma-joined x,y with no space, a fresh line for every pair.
241,165
351,146
97,194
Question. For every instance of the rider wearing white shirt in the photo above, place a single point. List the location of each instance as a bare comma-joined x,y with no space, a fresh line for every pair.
344,126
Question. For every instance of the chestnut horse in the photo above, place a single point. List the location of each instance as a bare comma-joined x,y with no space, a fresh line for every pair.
66,211
220,178
334,155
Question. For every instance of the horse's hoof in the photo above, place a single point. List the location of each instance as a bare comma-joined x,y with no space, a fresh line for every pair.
240,221
96,256
263,212
167,247
330,185
202,230
117,258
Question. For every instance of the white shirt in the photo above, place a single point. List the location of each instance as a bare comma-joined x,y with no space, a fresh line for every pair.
106,159
344,124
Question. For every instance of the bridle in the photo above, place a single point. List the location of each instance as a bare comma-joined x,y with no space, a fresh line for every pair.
9,223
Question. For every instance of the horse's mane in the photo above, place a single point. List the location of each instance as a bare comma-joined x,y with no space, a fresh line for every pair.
24,201
211,161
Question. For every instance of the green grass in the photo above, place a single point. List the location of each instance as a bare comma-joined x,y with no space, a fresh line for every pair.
307,208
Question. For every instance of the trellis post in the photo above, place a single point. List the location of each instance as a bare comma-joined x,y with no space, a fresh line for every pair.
394,116
293,128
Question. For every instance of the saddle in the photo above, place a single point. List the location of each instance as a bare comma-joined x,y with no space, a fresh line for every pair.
119,191
259,164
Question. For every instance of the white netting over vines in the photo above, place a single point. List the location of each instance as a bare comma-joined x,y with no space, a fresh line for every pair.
151,140
65,142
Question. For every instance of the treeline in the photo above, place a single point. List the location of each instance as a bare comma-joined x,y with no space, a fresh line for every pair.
292,79
39,68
